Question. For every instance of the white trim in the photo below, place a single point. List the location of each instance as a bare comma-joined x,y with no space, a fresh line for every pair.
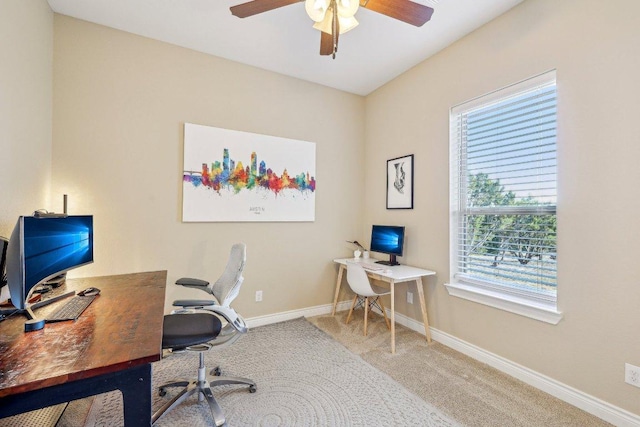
318,310
577,398
606,411
514,298
503,302
544,79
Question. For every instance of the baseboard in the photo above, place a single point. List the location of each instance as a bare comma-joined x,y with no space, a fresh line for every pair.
294,314
599,408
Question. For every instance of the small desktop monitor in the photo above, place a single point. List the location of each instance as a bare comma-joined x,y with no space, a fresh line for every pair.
41,248
388,239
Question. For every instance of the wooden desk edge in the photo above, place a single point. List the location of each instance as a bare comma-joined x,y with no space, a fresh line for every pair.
94,372
343,262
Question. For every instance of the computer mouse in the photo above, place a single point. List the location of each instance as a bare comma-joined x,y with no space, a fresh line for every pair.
89,292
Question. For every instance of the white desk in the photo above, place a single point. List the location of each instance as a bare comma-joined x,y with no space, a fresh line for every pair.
392,275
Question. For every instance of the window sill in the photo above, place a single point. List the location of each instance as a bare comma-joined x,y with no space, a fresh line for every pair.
514,305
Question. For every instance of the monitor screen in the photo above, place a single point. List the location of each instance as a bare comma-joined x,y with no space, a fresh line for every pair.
42,248
3,257
388,239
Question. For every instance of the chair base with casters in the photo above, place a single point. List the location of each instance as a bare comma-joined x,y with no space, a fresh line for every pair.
191,332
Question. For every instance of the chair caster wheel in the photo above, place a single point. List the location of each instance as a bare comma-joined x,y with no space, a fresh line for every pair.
162,392
252,389
216,371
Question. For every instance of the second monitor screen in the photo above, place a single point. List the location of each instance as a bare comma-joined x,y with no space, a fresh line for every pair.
387,239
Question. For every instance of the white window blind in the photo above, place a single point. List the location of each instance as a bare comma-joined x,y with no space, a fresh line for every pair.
503,191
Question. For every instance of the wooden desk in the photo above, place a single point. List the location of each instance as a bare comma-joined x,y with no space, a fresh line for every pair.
109,347
397,274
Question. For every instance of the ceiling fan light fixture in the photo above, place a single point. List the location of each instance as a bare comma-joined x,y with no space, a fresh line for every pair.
316,9
336,17
346,24
348,8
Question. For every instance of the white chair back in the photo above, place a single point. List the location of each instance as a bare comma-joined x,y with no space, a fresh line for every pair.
227,287
358,280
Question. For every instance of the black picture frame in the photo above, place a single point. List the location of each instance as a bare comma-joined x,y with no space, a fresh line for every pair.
400,182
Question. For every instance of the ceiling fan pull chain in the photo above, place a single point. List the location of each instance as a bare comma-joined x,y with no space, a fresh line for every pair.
334,30
334,27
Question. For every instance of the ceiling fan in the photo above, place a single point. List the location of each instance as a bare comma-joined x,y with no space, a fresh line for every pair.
335,17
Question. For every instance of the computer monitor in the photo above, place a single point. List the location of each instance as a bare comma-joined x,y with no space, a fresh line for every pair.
3,258
44,247
388,239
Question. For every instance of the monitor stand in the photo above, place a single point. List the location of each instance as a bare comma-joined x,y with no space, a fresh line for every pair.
392,261
33,323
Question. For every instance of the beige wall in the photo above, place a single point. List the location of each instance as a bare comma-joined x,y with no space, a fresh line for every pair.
594,47
120,102
26,55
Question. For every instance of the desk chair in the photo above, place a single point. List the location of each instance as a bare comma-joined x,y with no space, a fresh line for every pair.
367,295
197,327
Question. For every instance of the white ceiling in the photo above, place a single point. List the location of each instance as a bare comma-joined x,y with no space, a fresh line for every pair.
283,40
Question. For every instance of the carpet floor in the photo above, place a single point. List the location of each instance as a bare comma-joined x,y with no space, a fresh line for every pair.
304,378
460,388
469,391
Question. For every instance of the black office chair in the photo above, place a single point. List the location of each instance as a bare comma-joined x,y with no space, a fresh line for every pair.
197,327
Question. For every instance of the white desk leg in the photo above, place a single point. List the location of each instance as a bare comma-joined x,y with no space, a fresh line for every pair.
338,283
393,318
423,307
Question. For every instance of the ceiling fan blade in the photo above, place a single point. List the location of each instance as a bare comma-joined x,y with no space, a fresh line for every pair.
326,43
403,10
329,42
258,6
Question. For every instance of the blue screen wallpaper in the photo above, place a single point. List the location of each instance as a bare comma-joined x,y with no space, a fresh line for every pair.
55,245
387,239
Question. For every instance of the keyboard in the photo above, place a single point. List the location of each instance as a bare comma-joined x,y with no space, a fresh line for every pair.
372,267
72,309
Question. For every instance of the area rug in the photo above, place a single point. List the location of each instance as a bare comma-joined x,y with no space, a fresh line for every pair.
304,378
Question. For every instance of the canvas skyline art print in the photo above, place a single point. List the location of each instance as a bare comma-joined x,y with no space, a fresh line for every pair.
234,176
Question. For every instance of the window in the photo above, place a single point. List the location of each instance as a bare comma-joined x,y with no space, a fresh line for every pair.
503,199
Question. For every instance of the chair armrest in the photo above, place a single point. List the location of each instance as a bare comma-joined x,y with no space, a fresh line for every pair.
230,316
193,283
194,303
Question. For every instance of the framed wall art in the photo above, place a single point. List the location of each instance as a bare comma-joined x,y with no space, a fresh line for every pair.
400,183
233,176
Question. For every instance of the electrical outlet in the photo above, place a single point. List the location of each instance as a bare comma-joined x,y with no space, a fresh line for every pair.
632,374
258,296
409,297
